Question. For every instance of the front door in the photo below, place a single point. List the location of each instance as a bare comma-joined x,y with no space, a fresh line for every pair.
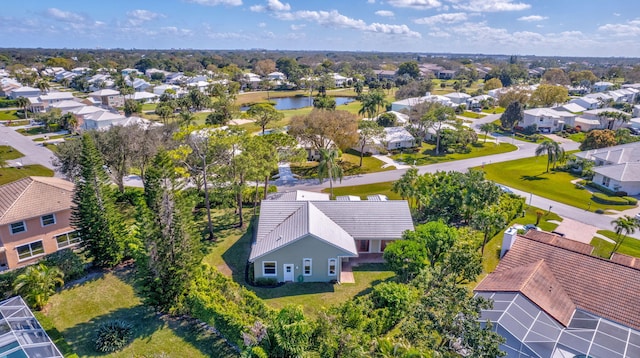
288,272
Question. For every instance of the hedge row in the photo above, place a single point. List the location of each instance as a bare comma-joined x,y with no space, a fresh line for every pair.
8,103
613,200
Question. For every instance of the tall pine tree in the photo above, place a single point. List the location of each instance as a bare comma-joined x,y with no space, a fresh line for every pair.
166,228
94,213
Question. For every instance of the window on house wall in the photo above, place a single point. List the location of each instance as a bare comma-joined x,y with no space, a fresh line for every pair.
68,239
332,267
47,220
306,267
18,227
269,268
606,181
364,246
30,250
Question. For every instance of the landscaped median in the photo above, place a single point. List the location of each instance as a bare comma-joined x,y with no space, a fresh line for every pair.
426,153
529,174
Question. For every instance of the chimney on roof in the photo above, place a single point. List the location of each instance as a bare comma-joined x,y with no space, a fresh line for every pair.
508,239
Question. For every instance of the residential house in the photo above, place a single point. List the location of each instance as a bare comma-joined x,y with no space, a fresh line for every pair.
24,91
108,97
251,80
67,105
479,101
22,334
445,74
44,102
174,78
138,84
586,102
602,86
340,81
600,115
551,298
394,138
276,76
7,85
458,98
547,120
410,102
636,110
130,72
35,217
100,120
382,75
150,71
616,168
571,108
159,90
313,241
144,97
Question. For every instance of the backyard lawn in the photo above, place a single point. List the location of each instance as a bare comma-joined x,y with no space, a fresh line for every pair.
474,115
602,248
7,175
528,174
76,312
426,154
8,152
367,189
350,161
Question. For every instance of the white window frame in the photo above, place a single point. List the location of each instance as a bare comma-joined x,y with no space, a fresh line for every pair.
24,226
304,267
30,250
53,216
275,268
69,242
335,267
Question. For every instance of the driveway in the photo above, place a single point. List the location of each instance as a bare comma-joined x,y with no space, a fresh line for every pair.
34,153
576,230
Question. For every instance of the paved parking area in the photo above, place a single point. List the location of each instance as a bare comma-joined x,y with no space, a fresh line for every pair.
577,231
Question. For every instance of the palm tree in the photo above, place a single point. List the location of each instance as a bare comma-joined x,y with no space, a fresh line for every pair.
328,167
43,86
487,128
368,107
553,149
37,284
23,103
612,116
186,118
626,224
65,82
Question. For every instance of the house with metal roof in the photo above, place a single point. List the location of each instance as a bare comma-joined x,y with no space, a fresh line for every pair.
309,240
35,215
616,168
552,298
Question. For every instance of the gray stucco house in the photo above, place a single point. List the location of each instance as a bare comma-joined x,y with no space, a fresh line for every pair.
308,238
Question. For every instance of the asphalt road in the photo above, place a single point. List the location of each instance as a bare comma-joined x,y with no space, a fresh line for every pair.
34,153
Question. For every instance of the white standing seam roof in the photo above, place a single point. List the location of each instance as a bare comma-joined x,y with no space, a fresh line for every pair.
626,172
339,223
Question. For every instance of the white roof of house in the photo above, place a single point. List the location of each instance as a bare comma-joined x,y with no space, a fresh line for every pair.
56,95
548,112
68,103
430,98
457,95
591,122
348,198
626,172
585,99
572,107
84,110
144,95
338,223
603,83
298,195
629,152
599,95
140,122
104,92
397,134
401,117
276,74
104,116
597,111
24,89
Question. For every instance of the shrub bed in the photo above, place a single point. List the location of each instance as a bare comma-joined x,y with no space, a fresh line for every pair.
610,200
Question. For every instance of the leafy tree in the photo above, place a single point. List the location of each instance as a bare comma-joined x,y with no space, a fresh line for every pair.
264,113
487,128
132,106
387,119
324,102
409,68
94,214
358,87
556,76
369,132
553,150
406,186
597,138
487,222
436,237
547,95
512,115
324,129
223,104
328,167
437,117
290,333
414,89
264,67
166,228
406,258
624,224
492,83
164,111
37,284
43,86
515,94
116,149
23,102
583,78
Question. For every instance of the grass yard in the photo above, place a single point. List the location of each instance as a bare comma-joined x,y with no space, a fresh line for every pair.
32,130
76,312
20,122
41,139
350,161
367,189
602,248
577,137
474,115
494,110
426,154
52,147
8,152
11,115
7,175
528,174
229,255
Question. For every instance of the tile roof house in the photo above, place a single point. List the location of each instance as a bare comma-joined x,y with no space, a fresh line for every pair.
35,217
551,298
310,240
616,168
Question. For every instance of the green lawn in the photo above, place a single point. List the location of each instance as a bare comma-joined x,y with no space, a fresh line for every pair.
528,174
367,189
350,162
7,153
426,154
602,248
11,115
8,175
494,110
470,114
577,137
41,139
230,253
32,131
77,311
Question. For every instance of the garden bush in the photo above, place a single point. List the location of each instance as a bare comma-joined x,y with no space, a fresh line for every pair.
631,200
608,200
264,281
113,336
68,262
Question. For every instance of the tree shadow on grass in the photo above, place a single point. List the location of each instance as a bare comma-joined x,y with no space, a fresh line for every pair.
293,289
237,256
533,177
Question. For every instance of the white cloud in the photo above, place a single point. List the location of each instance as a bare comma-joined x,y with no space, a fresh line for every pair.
216,2
442,19
630,28
532,18
489,5
371,1
262,24
334,19
65,16
616,14
228,36
416,4
439,34
298,27
172,30
384,13
137,17
272,5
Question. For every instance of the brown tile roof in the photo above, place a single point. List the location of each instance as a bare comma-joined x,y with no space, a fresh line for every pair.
537,283
626,260
557,240
33,196
602,287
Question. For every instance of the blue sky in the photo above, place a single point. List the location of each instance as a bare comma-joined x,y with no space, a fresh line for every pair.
539,27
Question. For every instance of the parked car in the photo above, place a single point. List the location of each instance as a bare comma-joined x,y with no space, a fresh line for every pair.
531,227
505,189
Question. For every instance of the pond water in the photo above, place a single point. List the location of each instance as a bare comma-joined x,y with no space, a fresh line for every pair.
300,102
